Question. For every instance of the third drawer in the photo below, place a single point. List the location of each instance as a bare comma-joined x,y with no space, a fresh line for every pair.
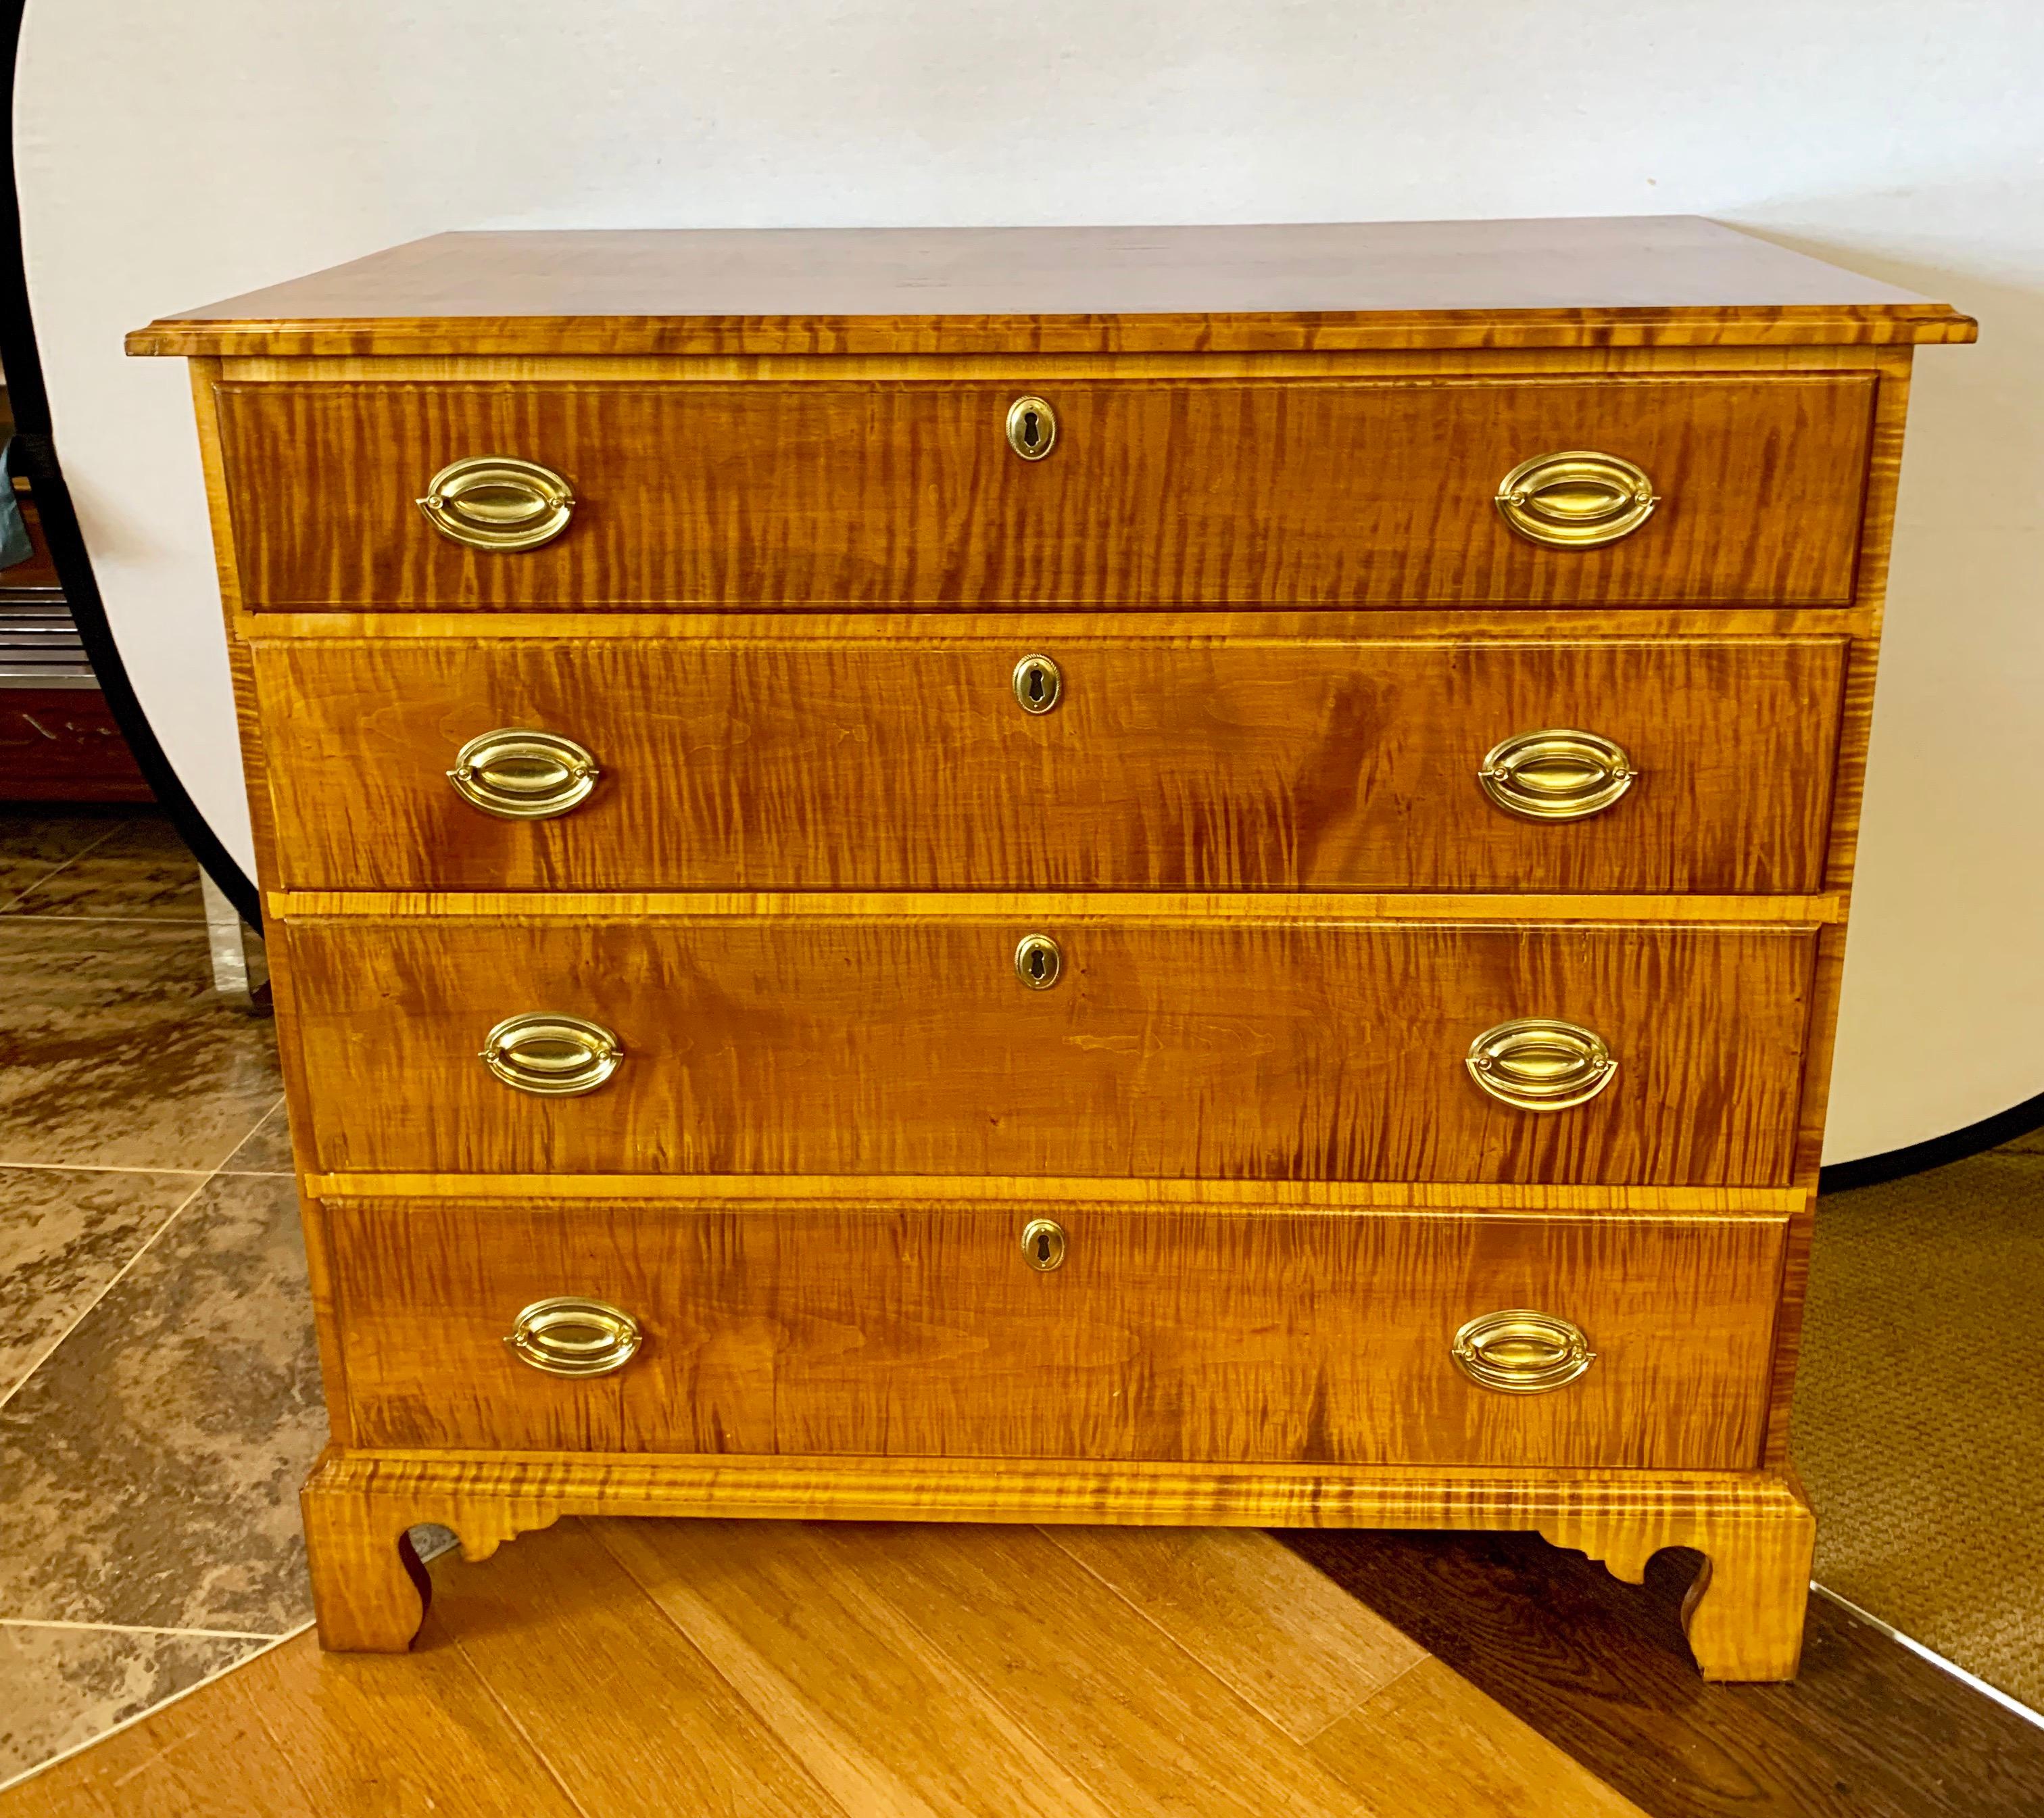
1676,765
1050,1043
1051,1330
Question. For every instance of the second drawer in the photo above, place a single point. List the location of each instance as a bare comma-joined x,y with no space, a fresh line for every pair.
1096,1045
1045,761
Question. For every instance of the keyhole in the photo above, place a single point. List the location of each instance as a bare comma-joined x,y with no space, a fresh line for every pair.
1032,427
1038,962
1043,1244
1037,683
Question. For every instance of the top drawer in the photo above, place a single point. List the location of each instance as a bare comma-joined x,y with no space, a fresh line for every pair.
1152,494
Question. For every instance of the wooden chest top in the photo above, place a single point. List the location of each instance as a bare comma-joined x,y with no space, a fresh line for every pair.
1623,281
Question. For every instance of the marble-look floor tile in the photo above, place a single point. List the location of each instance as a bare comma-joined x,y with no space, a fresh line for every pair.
34,841
141,868
152,1463
267,1149
116,1052
62,1687
64,1234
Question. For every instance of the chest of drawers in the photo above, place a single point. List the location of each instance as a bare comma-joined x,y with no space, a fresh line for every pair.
1179,875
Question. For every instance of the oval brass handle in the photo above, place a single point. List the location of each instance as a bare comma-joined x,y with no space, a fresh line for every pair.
1038,961
1043,1244
1576,499
498,503
553,1056
517,774
1556,773
1038,684
1032,427
1540,1063
1519,1352
569,1337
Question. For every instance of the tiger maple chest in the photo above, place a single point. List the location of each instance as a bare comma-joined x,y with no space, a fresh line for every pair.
1171,875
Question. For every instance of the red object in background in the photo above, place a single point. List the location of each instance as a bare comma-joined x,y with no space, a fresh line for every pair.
58,740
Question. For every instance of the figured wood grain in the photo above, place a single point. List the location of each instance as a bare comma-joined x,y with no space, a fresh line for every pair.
1158,496
1668,280
1167,762
918,1329
1744,1620
1281,1049
1502,624
1128,906
1269,1198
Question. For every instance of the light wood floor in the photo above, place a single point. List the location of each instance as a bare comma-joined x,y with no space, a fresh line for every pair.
786,1670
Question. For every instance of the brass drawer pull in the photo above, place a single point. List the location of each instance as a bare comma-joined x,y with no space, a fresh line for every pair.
1557,773
1043,1244
1576,499
498,503
551,1056
1540,1063
1522,1352
1038,961
517,774
1038,684
1032,427
569,1337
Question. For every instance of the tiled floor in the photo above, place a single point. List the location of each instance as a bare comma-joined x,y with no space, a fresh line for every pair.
158,1392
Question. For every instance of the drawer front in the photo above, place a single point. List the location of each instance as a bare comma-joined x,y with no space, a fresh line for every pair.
909,1044
922,1330
1171,763
1155,495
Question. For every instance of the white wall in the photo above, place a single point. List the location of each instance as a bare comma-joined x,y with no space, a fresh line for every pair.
170,156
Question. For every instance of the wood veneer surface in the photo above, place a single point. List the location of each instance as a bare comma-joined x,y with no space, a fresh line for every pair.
1157,495
1286,1049
1167,762
1673,279
919,1329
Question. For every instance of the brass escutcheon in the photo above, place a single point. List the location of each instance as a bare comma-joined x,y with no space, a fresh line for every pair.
551,1056
1043,1244
1520,1351
1038,683
518,775
565,1336
1576,499
1557,773
497,503
1038,961
1541,1063
1032,427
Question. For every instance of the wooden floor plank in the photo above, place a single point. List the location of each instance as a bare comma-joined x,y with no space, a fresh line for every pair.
205,1753
1120,1706
297,1730
1255,1615
1430,1743
1868,1730
621,1705
882,1719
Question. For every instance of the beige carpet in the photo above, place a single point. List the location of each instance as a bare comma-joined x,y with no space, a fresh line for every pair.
1919,1409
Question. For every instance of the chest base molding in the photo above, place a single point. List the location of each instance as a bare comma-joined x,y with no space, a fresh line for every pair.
1743,1614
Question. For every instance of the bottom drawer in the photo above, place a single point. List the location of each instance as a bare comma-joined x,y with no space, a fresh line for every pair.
926,1329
